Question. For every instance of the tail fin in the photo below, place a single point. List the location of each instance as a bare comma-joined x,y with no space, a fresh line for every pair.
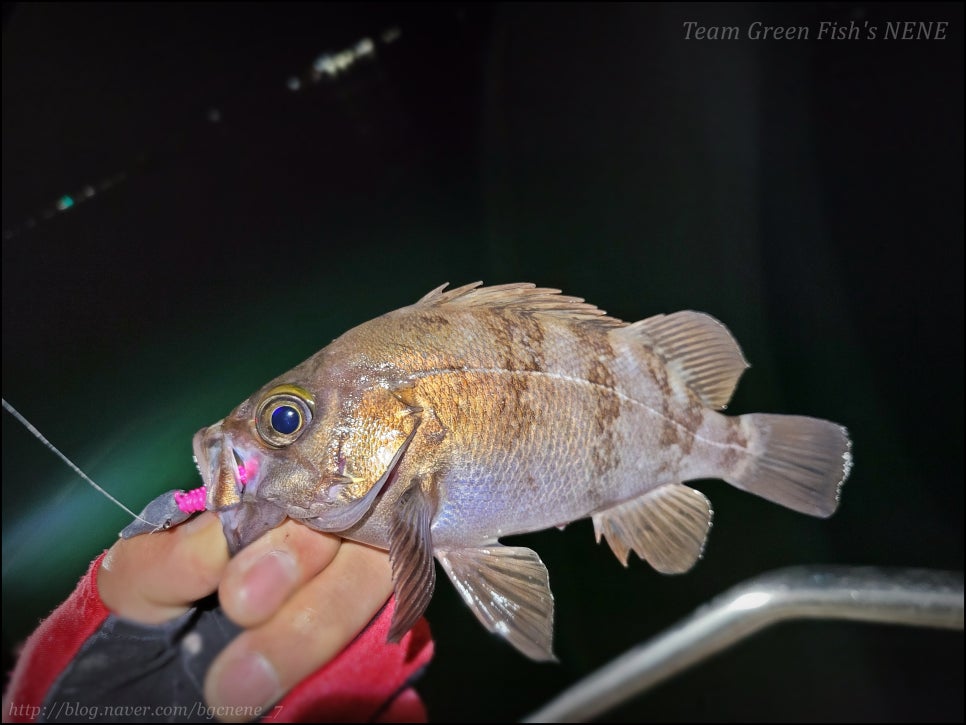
797,462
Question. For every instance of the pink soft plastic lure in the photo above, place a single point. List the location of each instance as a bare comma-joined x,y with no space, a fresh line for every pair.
192,501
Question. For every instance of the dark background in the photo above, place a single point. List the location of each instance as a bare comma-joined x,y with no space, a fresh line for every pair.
807,193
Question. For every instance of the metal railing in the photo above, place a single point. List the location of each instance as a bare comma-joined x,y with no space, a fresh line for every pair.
914,597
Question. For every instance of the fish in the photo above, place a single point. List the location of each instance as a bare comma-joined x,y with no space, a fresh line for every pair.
481,412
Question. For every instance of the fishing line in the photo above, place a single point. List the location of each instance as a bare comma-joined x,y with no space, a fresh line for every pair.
26,424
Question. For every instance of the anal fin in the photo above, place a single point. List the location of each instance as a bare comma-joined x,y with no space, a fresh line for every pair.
508,589
411,557
667,527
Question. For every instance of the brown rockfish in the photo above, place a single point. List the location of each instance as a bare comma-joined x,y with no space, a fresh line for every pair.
481,412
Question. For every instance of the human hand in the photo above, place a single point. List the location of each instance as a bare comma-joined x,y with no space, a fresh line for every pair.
301,596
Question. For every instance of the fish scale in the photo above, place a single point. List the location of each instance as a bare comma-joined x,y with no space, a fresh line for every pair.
481,412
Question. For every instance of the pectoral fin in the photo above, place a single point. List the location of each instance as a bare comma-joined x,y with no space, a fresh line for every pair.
508,589
411,557
667,527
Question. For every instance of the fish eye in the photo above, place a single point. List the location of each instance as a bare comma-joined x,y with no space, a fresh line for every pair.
286,419
283,414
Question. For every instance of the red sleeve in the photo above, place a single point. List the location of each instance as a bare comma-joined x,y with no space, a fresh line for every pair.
52,646
369,680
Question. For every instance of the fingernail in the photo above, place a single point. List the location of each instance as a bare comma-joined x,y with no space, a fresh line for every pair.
247,680
267,584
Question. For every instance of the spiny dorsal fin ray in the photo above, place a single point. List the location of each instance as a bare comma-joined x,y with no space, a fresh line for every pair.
523,296
411,557
435,296
508,589
697,348
667,527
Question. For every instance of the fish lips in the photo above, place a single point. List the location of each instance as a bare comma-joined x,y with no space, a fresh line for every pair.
222,484
231,476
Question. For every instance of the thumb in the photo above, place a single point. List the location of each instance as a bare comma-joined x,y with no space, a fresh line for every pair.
155,577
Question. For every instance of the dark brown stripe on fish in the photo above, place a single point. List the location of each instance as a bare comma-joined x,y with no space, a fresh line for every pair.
517,407
600,372
690,419
670,433
434,321
737,445
517,338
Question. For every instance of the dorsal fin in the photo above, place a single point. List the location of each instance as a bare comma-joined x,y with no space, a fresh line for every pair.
698,349
437,296
523,296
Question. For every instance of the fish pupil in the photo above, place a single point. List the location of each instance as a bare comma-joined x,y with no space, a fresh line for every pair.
286,419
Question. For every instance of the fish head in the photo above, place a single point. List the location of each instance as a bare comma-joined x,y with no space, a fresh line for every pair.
313,453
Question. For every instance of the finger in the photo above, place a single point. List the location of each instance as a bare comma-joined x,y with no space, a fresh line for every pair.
307,632
154,577
268,571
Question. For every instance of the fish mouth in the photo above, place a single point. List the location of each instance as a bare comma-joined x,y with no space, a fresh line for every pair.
200,451
223,469
231,480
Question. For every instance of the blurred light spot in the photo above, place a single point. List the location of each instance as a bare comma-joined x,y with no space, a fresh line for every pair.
751,600
192,644
325,64
328,66
331,65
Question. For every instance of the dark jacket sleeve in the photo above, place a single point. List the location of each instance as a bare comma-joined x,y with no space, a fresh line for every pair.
83,664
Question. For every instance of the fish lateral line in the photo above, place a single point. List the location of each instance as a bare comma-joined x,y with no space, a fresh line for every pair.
40,436
579,381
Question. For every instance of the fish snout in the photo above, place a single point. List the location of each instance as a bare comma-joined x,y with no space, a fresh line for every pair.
201,448
222,469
